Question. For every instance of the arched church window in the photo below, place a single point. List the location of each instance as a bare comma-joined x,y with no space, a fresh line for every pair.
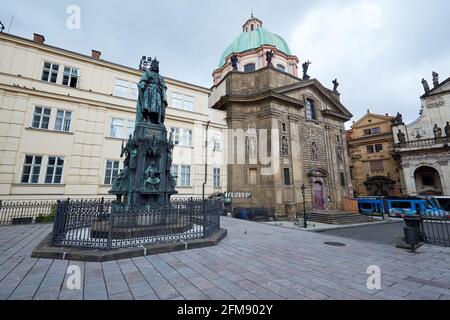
252,27
281,67
250,67
311,113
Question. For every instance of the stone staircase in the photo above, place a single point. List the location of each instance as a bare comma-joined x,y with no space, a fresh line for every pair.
338,217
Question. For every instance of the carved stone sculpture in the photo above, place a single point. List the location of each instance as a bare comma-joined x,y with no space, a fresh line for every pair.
435,79
234,61
426,87
401,136
335,85
305,67
437,131
269,57
447,129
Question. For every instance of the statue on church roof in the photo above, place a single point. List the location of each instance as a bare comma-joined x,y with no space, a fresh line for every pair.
269,57
2,27
437,131
234,61
305,70
426,87
398,119
435,79
401,137
335,85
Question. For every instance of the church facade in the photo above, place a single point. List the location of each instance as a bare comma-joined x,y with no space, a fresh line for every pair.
284,132
423,145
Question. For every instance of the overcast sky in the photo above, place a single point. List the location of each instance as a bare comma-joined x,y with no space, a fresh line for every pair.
378,50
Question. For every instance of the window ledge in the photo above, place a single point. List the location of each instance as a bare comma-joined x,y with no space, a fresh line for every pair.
49,130
113,138
183,187
40,185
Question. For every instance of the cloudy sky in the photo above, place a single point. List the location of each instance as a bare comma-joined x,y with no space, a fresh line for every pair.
378,49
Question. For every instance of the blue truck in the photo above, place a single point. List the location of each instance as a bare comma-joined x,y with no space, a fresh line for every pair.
401,206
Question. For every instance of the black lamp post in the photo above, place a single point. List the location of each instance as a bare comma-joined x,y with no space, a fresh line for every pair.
305,223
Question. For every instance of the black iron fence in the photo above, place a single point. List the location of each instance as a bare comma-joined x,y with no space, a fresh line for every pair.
435,230
26,212
107,225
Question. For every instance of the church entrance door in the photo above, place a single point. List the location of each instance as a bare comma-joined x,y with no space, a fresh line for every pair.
319,202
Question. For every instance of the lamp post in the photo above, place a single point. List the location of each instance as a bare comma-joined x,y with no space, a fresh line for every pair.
305,223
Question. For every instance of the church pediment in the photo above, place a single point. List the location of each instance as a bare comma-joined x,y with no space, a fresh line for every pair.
371,118
337,108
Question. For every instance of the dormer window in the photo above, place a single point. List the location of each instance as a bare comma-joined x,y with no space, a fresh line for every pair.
251,27
249,67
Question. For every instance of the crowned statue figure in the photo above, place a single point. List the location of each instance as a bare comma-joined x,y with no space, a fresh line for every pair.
152,101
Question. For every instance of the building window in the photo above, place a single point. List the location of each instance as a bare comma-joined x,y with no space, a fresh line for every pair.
174,172
310,110
287,177
31,169
427,180
54,170
216,176
185,176
126,89
217,141
281,67
374,148
183,102
283,127
111,171
70,77
249,67
338,139
368,132
62,121
50,72
121,128
252,176
182,137
41,117
342,179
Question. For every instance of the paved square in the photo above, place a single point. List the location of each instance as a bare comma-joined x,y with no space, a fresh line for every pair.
255,261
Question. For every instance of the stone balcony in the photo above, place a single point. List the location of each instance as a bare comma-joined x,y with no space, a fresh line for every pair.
433,143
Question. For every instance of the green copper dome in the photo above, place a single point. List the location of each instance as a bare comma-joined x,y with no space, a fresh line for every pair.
252,40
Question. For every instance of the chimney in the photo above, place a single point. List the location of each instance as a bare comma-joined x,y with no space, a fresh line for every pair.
39,39
96,54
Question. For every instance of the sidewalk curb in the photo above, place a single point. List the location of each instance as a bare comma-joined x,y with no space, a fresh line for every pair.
354,226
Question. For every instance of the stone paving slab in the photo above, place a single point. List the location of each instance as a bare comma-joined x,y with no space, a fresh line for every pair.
256,261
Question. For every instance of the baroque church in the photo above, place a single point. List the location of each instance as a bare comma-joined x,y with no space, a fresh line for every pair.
274,113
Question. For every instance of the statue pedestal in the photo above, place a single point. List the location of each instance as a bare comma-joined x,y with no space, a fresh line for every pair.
146,179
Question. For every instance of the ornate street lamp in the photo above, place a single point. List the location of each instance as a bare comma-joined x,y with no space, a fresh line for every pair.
305,223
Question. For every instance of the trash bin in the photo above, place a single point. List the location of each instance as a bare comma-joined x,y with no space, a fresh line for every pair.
413,222
411,236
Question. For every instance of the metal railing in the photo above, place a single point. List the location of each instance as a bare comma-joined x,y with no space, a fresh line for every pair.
25,212
107,225
435,230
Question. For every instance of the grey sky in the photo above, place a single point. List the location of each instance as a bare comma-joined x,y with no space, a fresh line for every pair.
378,50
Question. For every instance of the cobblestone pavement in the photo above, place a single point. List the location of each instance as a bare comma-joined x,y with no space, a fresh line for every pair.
255,261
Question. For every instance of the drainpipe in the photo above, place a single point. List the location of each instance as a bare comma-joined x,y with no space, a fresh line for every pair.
205,180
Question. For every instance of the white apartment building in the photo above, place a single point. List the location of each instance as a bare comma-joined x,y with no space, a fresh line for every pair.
64,115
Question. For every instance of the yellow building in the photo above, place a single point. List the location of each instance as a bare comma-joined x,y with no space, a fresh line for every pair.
373,167
64,115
